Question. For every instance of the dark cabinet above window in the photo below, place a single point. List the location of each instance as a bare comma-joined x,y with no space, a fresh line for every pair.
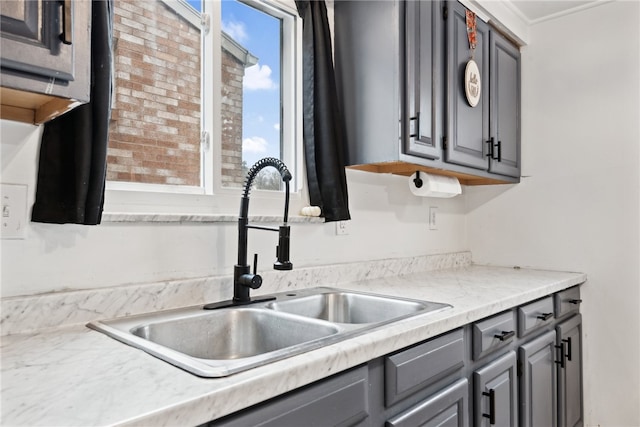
45,58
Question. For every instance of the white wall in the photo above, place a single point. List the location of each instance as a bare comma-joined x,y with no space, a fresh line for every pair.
387,222
577,210
579,207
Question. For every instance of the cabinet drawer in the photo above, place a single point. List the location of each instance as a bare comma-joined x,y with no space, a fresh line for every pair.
341,400
447,407
567,301
492,333
534,315
415,368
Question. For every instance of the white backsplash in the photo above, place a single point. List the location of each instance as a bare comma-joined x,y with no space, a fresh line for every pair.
56,309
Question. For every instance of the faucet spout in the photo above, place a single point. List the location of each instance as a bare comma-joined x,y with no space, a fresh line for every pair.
243,279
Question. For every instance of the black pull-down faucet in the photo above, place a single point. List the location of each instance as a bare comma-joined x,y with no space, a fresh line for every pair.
243,278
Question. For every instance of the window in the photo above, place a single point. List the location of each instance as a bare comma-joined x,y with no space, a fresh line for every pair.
203,89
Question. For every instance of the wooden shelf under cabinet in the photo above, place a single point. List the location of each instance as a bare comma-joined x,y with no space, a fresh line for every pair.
407,169
33,108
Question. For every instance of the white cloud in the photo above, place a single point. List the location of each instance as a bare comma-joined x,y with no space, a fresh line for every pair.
255,144
258,77
236,30
276,126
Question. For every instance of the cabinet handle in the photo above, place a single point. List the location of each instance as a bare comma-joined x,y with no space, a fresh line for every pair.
499,147
416,128
492,406
568,355
545,316
562,355
489,147
505,335
575,301
67,22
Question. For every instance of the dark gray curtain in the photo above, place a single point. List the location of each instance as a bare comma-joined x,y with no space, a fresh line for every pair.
73,151
324,134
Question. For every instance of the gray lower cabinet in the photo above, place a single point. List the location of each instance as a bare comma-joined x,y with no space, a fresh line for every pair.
341,400
495,393
519,367
569,342
447,408
538,385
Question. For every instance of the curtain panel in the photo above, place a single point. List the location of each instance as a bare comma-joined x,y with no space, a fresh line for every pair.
73,150
323,129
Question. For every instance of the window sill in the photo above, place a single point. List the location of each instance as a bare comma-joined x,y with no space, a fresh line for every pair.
116,217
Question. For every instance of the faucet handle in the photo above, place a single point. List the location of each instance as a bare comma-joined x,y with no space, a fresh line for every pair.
282,250
253,281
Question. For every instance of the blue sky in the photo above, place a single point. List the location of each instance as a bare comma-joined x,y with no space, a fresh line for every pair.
260,35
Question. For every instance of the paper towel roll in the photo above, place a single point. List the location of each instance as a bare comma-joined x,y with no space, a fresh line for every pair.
435,186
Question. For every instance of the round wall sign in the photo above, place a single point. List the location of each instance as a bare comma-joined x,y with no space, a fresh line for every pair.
472,83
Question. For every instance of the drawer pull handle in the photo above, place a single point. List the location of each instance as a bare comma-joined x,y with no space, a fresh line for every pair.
575,301
562,355
67,22
545,316
505,335
568,341
492,406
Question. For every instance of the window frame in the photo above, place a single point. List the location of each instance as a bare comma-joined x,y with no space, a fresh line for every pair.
211,197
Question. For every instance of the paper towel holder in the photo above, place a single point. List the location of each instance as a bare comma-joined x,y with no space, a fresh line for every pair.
417,180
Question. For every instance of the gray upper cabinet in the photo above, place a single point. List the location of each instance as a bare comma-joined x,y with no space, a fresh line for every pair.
368,76
45,58
400,74
33,37
467,126
504,156
423,93
486,136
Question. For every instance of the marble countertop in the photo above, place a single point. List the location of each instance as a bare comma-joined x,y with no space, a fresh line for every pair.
74,376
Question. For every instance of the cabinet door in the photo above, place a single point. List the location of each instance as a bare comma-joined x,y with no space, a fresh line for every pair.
505,106
341,400
448,408
570,407
538,401
32,33
495,394
368,77
422,124
467,127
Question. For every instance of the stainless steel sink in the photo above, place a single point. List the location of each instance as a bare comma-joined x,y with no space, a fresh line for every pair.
217,343
233,333
350,307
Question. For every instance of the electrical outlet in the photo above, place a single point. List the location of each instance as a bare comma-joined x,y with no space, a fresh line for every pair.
433,217
14,211
342,228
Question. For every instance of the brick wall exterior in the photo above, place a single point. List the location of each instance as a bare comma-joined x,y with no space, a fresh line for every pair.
154,135
232,75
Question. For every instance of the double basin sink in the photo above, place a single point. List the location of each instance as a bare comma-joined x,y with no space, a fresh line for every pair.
224,341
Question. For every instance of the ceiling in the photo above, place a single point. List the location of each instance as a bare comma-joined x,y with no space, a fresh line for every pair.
534,11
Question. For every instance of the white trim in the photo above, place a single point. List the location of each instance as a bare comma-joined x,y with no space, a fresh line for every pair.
212,197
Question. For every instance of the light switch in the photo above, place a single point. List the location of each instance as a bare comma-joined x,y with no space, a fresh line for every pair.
14,211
